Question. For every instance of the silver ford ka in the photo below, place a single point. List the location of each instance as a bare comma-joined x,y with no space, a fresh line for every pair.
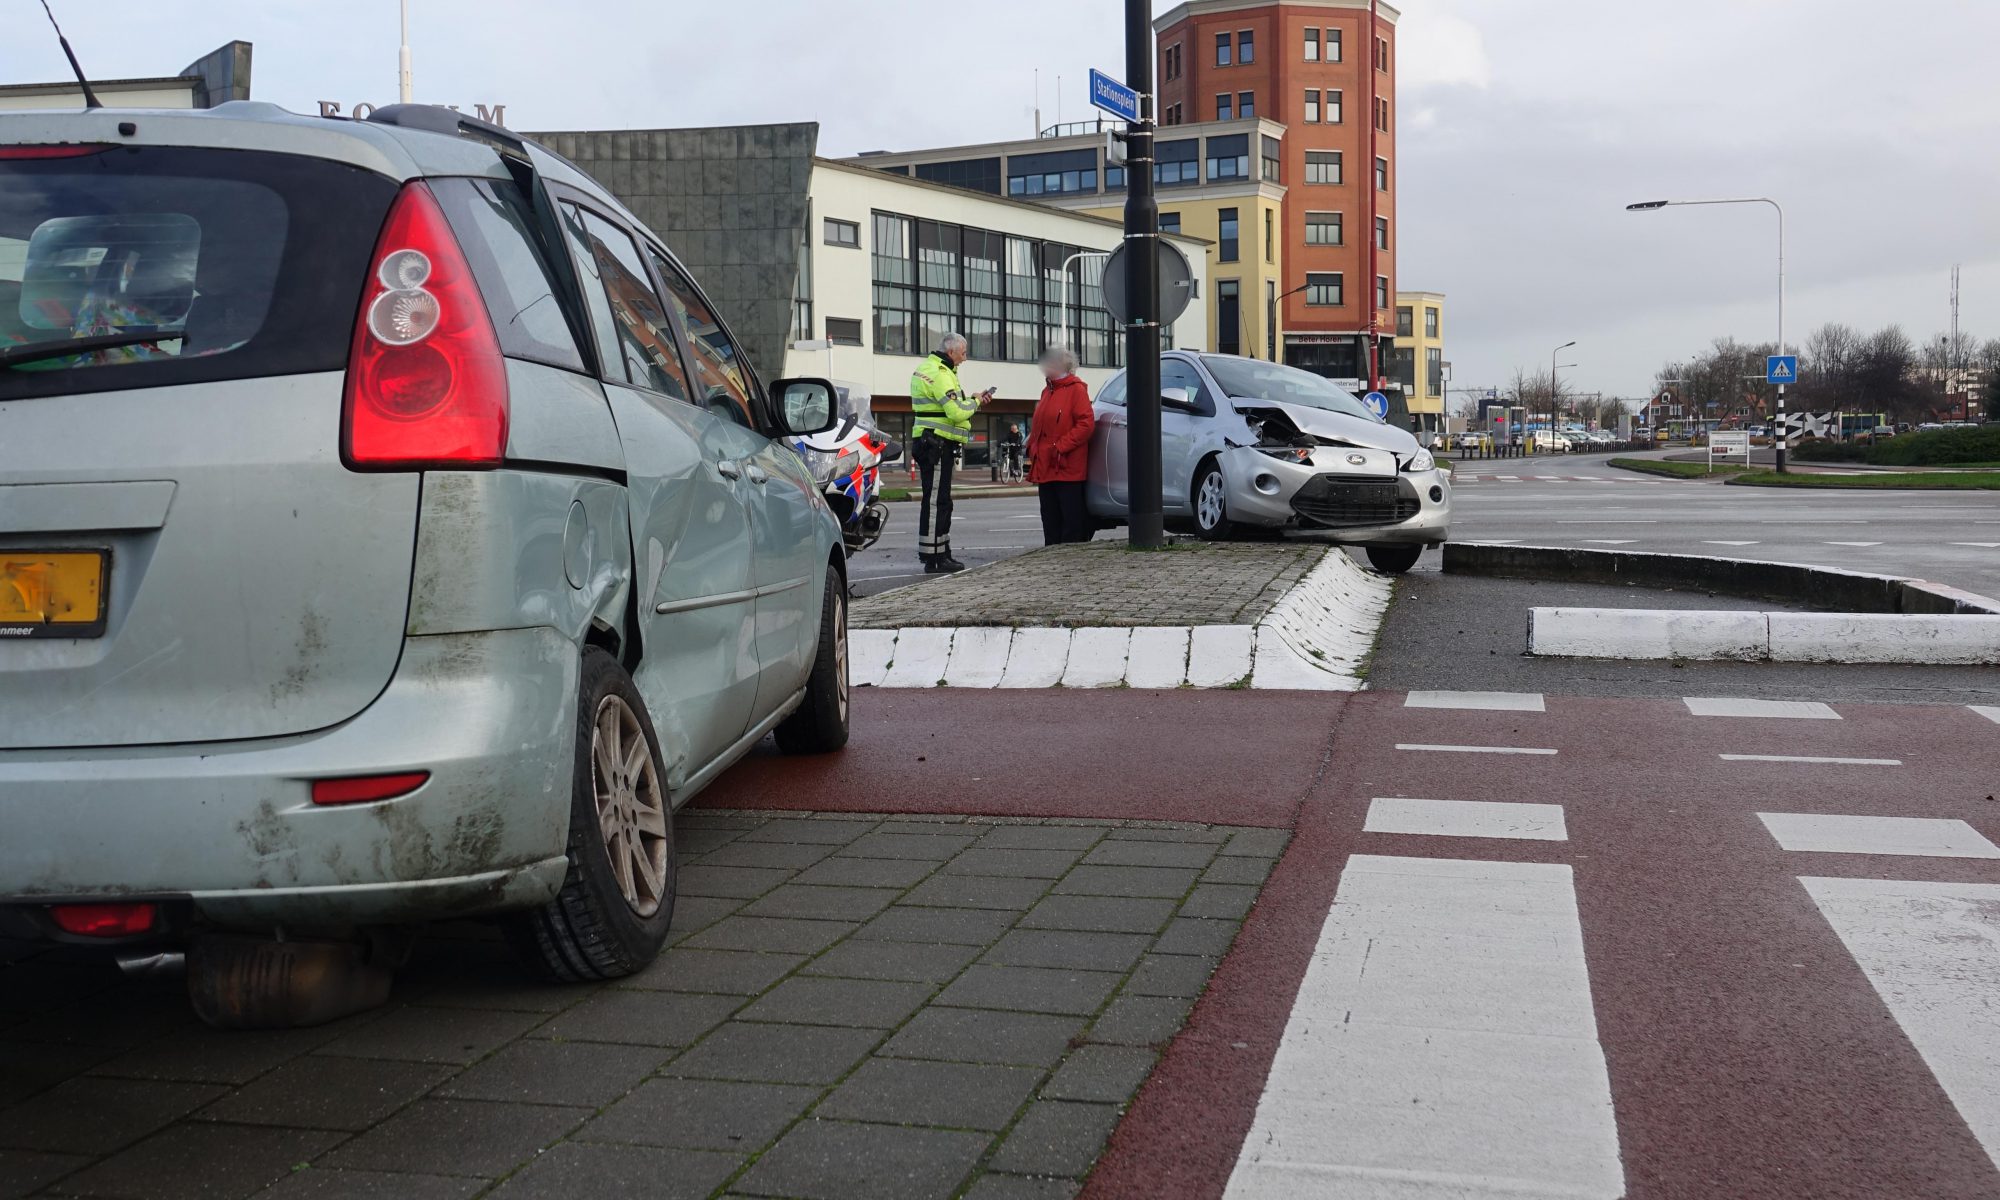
1246,444
389,530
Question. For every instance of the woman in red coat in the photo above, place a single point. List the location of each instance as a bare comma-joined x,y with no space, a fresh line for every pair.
1059,450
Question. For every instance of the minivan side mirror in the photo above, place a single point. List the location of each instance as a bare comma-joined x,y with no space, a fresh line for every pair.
804,406
1176,398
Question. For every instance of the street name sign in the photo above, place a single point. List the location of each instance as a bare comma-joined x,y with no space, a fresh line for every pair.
1781,368
1113,97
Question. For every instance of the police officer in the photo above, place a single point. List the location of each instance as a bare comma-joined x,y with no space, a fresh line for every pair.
942,427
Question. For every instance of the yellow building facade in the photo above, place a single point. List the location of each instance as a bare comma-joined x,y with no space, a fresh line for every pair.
1421,366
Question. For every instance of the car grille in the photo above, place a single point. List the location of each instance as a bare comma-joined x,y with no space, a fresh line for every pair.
1338,501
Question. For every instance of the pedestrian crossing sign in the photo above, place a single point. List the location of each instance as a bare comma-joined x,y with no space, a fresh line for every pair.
1781,368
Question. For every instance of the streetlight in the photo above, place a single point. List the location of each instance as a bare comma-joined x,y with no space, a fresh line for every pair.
1271,311
1553,368
1649,205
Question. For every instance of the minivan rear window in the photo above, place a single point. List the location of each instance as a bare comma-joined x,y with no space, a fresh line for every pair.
179,265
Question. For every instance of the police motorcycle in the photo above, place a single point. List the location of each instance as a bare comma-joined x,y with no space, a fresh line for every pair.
846,461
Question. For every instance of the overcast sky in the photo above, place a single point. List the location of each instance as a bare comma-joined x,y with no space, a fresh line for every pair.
1526,126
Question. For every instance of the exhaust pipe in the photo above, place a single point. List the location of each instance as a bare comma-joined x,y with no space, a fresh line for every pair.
240,982
152,964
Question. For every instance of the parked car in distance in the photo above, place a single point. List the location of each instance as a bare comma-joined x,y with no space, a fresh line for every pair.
1247,443
396,532
1468,441
1553,443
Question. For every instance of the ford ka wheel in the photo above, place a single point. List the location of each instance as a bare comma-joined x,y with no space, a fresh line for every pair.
820,724
1211,503
631,807
617,899
1394,560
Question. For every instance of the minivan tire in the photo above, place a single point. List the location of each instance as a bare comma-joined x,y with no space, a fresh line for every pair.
819,726
1394,560
612,915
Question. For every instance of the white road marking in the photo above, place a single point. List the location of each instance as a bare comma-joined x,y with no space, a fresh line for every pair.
868,654
1980,545
1729,543
1466,818
1807,758
1442,1045
1097,658
1829,833
1932,952
1219,655
1036,658
1158,657
1722,706
1990,712
1510,478
920,658
1611,541
1495,701
978,657
1857,545
1472,749
1611,521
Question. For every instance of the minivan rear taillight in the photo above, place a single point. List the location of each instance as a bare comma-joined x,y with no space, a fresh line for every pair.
426,384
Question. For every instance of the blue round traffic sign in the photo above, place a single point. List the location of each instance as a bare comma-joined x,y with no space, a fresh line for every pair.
1378,404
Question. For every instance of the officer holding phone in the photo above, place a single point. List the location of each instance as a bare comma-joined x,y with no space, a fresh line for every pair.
942,427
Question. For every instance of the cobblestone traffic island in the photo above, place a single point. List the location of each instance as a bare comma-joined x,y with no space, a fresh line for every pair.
1103,584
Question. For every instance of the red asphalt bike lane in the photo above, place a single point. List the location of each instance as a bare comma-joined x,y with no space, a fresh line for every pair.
1748,1054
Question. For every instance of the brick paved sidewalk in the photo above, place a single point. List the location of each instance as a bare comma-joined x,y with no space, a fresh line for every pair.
1103,584
853,1007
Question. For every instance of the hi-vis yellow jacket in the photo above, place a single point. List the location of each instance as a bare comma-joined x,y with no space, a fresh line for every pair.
940,404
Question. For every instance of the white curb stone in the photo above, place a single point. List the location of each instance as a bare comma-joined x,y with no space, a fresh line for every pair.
1646,633
1640,633
1158,658
1219,655
1884,638
1097,658
1317,637
920,660
868,655
978,657
1037,658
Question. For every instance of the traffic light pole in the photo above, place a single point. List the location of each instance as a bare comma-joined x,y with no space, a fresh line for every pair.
1147,529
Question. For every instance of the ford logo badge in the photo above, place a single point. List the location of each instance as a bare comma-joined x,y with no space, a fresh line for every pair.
1357,460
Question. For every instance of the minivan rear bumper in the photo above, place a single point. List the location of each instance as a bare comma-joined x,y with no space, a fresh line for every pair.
231,826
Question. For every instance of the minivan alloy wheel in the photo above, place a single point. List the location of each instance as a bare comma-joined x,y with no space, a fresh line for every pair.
631,805
839,597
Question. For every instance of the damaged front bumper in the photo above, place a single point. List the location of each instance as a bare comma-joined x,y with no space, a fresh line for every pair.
228,832
1365,503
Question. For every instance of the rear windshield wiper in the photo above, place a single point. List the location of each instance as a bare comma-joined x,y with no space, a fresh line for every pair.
13,356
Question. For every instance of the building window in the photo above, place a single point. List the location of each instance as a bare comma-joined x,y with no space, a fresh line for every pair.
1177,164
1270,236
843,233
1333,54
1024,300
1381,292
1246,105
1381,233
1171,62
1228,317
1312,106
1433,371
1325,290
1333,106
1323,229
1381,174
1406,321
1312,44
1273,171
1246,47
1170,222
843,331
1229,157
1114,178
1431,323
1381,54
1172,116
974,175
1221,49
939,307
1227,235
895,285
1381,113
1225,105
1323,166
1053,173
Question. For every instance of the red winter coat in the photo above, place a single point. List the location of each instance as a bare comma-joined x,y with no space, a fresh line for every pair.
1059,441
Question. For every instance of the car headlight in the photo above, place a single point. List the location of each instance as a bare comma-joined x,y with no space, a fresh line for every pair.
1421,461
1291,454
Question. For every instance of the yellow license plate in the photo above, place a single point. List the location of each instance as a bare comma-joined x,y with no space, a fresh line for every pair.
52,593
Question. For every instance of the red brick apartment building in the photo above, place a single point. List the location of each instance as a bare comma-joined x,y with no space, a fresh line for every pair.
1326,69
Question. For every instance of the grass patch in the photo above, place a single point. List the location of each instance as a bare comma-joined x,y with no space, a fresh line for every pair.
1920,481
1676,470
889,494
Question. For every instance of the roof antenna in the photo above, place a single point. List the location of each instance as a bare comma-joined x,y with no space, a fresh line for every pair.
89,97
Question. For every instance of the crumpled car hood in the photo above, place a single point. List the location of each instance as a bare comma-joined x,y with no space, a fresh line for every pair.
1339,427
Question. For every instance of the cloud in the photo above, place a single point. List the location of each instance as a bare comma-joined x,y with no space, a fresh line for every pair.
1440,50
